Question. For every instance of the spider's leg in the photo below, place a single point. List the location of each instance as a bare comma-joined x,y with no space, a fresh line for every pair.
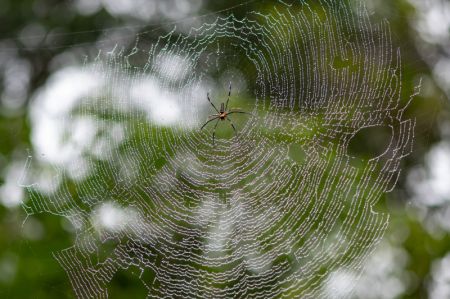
208,122
209,100
232,125
228,99
214,133
236,111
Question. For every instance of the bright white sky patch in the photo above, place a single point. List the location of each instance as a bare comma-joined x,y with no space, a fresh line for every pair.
340,284
51,108
430,184
161,106
64,139
166,112
16,79
111,217
11,193
433,21
440,279
144,10
173,67
61,138
384,276
442,71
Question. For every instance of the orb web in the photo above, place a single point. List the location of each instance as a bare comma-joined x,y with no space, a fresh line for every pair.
268,211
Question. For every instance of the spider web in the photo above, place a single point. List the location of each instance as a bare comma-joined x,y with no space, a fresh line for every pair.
271,211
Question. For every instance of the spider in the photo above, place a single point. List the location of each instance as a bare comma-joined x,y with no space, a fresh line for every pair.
222,114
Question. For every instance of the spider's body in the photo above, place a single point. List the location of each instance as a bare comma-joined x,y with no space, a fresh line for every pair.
222,114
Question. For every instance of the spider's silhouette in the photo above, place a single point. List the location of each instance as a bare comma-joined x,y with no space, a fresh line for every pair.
222,114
